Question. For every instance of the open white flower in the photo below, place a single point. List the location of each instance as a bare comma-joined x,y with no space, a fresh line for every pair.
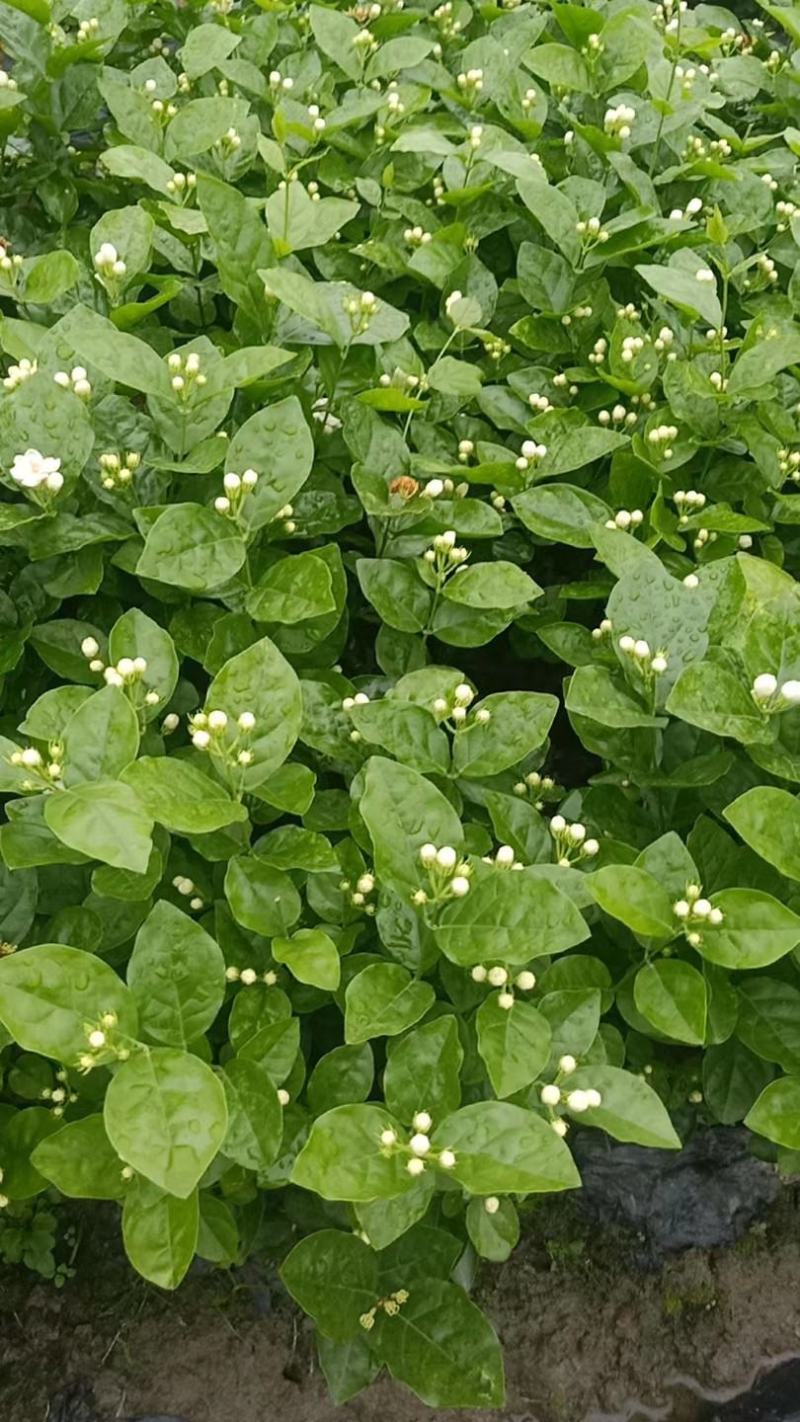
32,469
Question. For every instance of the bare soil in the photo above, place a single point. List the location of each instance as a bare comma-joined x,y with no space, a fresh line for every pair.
588,1336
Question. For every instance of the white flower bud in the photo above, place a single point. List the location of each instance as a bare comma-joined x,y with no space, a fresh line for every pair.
415,1166
248,976
446,857
479,973
577,1101
388,1137
765,686
97,1039
558,824
505,855
491,1204
247,721
446,1159
505,1000
560,1127
201,740
593,1098
428,853
422,1121
89,647
526,981
567,1064
497,976
217,720
459,886
550,1095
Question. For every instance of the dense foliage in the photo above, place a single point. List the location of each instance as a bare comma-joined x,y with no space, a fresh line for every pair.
400,643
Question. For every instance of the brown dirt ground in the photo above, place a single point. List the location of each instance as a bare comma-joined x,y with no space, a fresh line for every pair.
588,1337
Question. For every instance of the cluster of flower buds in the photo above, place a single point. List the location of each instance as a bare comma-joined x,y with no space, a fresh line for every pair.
646,662
418,1148
182,184
359,895
456,709
617,415
102,1044
163,112
127,673
445,555
555,1094
530,453
118,469
770,697
628,312
694,912
539,403
391,1306
45,771
599,351
443,488
278,81
443,15
767,267
618,121
361,310
248,977
188,889
18,374
475,135
364,43
7,82
75,380
626,519
561,381
417,236
494,346
718,381
631,346
221,735
60,1096
604,628
499,977
87,30
593,47
789,464
185,373
692,208
688,501
664,339
661,439
570,842
591,230
466,449
529,98
236,487
470,83
8,264
702,537
541,786
786,211
503,858
448,876
109,267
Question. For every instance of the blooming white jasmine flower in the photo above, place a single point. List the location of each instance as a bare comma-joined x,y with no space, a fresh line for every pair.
31,470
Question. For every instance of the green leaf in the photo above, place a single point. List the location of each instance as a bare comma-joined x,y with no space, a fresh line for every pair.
281,430
504,1149
177,975
49,993
261,898
160,1233
343,1158
756,930
100,738
630,1109
561,513
382,1001
396,592
402,811
409,732
296,588
500,910
733,1077
518,724
514,1044
343,1075
678,283
80,1161
442,1347
636,898
255,1118
311,957
104,820
334,1278
260,681
776,1113
423,1071
768,819
191,547
165,1115
205,47
493,1236
709,696
672,996
180,797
